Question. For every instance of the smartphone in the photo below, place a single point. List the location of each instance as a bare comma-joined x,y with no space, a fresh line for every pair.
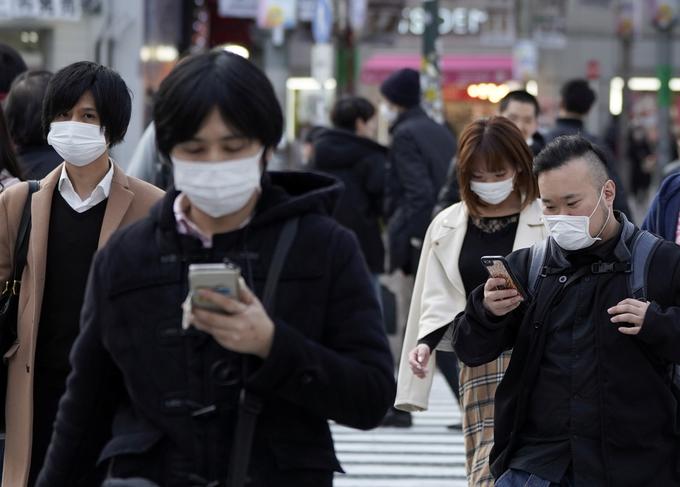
498,267
222,278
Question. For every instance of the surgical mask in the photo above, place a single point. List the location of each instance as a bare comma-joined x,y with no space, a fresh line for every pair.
77,143
493,193
388,113
218,188
573,232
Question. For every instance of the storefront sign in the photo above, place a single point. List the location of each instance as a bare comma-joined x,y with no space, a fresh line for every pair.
41,9
240,9
457,21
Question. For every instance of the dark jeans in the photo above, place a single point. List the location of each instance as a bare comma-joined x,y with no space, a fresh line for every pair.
519,478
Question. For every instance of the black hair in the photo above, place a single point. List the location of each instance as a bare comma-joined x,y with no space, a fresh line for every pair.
577,96
8,160
11,65
240,90
565,149
347,110
111,97
23,108
520,96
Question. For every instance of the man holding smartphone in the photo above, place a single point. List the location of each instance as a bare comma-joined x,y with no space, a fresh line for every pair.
588,398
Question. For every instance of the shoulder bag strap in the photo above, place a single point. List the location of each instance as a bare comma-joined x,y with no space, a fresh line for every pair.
250,404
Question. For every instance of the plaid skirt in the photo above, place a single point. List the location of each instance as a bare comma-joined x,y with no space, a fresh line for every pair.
477,391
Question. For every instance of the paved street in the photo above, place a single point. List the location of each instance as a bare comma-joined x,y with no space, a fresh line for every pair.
425,455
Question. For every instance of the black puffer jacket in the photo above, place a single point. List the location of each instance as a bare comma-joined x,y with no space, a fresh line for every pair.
161,402
361,165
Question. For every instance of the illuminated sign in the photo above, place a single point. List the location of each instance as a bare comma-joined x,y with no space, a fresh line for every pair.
457,21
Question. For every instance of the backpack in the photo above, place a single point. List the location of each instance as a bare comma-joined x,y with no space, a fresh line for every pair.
644,246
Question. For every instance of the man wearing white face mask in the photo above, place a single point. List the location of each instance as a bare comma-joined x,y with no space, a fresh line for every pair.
78,207
589,397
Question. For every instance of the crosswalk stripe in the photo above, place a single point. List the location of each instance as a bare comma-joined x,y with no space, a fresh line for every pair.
424,455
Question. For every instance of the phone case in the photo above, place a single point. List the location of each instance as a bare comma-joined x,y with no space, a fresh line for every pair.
221,278
498,267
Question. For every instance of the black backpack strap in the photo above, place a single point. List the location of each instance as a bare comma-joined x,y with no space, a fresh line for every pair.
21,245
539,252
250,405
644,245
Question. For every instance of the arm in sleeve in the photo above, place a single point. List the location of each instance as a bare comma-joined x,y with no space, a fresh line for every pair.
661,327
418,192
651,222
478,336
86,410
347,375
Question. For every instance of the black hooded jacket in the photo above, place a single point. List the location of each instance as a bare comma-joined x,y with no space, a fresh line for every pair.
361,164
153,401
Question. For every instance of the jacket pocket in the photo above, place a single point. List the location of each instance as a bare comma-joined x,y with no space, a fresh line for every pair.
302,456
130,444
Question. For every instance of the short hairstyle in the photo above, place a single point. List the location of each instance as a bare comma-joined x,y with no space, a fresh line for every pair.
23,108
11,66
236,87
520,96
494,141
111,97
577,96
8,161
348,109
565,149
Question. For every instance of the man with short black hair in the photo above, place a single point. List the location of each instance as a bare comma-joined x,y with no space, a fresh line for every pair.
11,66
23,109
577,98
522,109
588,398
77,208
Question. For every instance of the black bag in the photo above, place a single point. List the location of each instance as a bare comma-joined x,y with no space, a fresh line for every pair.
250,405
9,299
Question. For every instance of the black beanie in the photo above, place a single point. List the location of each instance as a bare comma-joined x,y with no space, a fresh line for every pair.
402,88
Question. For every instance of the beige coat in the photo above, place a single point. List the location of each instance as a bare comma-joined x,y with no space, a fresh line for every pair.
439,294
129,200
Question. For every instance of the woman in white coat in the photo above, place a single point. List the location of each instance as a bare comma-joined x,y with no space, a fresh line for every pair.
499,213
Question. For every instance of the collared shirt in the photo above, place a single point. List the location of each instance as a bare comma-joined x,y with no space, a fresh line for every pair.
100,193
184,225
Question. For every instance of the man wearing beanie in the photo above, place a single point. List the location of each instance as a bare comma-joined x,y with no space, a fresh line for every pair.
419,158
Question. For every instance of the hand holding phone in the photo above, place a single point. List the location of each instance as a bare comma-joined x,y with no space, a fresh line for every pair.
221,278
502,291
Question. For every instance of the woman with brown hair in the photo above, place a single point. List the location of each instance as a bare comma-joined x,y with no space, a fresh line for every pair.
499,213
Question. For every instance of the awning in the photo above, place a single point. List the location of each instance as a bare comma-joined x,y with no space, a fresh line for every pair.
459,69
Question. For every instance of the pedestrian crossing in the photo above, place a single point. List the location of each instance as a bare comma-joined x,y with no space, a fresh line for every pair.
425,455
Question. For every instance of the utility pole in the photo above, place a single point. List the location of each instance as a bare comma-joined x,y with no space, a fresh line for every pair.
625,29
664,21
430,73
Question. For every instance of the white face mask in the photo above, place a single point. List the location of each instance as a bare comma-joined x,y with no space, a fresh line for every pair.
493,193
573,232
388,113
218,188
77,143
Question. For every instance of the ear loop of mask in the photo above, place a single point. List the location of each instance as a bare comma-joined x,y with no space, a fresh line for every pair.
609,214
